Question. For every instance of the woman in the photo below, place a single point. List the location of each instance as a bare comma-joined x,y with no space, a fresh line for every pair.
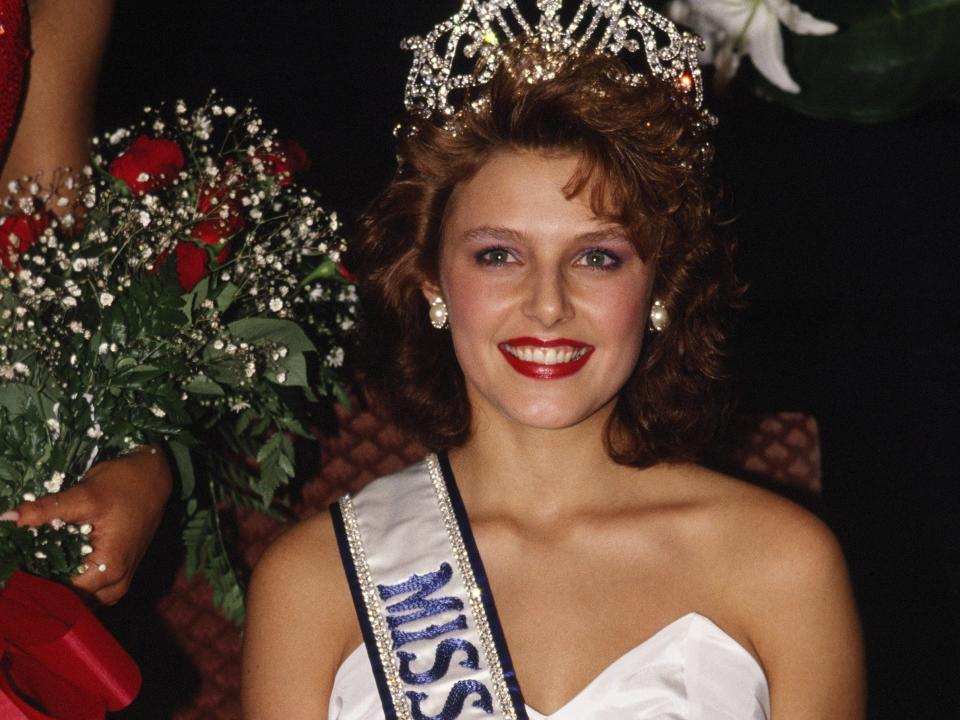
546,291
45,125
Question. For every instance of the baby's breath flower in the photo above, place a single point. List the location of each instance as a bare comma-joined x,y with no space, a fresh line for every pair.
55,482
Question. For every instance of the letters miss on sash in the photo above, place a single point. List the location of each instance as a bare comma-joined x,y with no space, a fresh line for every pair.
428,620
418,606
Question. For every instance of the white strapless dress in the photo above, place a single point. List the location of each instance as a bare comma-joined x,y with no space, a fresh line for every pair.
690,670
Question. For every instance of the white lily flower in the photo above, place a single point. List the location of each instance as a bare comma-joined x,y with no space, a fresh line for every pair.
734,28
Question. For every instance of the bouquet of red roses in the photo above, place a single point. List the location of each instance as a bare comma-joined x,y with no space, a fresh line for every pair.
198,299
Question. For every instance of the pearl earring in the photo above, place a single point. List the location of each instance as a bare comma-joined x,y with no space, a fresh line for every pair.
438,313
659,317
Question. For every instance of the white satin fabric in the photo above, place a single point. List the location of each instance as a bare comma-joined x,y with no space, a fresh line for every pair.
690,670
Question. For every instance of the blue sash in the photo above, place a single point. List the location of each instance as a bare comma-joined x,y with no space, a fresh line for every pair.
428,619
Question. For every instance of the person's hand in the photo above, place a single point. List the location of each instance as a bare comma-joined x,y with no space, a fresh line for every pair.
123,500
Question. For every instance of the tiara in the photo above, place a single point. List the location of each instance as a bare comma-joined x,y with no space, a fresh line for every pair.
481,27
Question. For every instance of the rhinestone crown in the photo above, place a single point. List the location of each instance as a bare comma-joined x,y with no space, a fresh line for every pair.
481,27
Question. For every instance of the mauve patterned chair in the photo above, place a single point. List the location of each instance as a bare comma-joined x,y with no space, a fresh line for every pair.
777,449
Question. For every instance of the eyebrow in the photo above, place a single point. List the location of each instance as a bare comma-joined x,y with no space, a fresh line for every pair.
604,235
491,232
504,234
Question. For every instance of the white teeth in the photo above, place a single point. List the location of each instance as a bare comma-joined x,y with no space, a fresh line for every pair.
546,356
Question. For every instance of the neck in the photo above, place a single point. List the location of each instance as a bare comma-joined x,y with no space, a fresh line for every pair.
541,475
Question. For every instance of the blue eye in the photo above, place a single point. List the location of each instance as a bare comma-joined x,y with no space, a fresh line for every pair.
599,259
494,257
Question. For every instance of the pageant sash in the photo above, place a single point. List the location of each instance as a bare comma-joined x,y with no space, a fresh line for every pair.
429,622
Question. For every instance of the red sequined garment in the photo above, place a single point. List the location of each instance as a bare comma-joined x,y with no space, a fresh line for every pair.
13,58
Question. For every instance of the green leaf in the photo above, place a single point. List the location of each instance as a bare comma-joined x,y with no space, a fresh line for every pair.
887,60
196,296
18,398
226,296
243,422
295,367
275,459
184,461
202,385
282,332
341,395
138,375
323,271
196,535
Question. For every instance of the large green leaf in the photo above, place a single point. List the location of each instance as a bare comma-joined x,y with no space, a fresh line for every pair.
282,332
888,59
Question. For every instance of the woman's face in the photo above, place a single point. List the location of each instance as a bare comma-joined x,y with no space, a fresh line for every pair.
547,302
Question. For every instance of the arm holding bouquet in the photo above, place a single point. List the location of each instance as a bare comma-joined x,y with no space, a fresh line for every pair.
122,499
198,304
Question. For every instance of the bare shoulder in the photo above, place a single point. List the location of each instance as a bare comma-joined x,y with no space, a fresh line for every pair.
779,537
300,624
787,576
306,554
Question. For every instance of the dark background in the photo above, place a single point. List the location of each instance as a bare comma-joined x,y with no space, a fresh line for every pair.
849,240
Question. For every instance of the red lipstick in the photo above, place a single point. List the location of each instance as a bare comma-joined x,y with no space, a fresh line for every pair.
542,371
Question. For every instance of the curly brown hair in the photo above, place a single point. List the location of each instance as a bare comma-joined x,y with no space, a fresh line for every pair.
644,153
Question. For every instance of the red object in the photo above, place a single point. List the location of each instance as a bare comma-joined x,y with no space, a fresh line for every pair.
148,164
222,219
57,662
14,53
192,261
539,371
17,234
289,160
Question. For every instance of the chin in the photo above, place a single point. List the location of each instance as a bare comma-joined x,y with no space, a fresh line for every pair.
548,416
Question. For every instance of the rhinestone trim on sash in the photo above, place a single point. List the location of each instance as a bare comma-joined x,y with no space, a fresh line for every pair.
377,621
474,593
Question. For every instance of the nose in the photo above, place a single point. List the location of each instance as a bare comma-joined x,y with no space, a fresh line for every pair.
547,298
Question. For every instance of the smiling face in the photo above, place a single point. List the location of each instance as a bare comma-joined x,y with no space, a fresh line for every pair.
547,302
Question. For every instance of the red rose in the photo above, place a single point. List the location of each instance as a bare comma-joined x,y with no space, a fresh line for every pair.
222,221
346,274
148,164
192,261
222,218
17,234
289,159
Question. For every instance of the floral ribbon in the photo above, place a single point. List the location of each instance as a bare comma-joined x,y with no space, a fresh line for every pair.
57,662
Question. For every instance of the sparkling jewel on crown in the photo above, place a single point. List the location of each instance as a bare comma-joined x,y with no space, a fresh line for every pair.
475,33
